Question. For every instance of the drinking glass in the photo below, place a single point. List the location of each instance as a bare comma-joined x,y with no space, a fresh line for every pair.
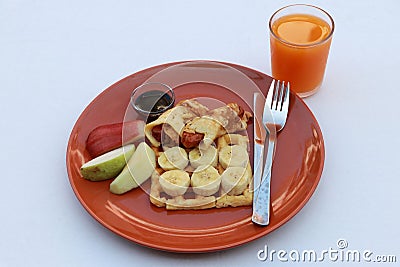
300,39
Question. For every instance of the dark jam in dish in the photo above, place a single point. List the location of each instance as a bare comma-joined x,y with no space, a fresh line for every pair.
154,102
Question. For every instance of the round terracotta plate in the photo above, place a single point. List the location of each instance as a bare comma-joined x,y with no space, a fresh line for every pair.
297,166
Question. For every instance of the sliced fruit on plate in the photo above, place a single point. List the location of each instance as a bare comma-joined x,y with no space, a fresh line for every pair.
108,137
175,182
234,180
107,165
173,158
233,156
139,168
205,181
203,157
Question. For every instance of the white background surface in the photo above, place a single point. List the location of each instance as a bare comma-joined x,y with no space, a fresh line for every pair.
56,56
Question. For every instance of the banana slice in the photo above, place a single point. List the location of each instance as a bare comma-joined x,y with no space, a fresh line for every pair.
200,157
234,180
174,182
173,158
233,156
232,139
205,181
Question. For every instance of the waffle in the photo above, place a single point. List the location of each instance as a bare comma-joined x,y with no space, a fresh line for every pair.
192,201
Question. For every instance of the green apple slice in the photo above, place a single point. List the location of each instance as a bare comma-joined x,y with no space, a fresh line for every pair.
108,165
138,169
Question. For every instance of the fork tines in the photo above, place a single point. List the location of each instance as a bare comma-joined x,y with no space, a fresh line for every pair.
278,95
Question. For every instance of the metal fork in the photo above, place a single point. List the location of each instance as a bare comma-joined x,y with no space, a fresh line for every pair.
274,119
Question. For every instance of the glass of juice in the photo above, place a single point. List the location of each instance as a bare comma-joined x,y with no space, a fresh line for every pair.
300,38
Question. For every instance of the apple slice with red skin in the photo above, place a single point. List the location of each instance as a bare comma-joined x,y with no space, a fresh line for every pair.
105,138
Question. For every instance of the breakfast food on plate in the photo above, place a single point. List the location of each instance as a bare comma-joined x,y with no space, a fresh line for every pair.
197,158
174,182
190,122
138,169
203,157
161,198
169,125
108,165
234,180
207,165
205,181
215,123
233,156
108,137
173,158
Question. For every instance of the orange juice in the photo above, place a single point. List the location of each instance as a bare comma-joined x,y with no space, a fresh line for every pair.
300,45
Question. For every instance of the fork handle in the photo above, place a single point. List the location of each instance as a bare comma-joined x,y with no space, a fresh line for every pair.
262,194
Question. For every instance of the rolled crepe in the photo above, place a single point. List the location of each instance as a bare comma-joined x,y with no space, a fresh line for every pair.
175,119
217,122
